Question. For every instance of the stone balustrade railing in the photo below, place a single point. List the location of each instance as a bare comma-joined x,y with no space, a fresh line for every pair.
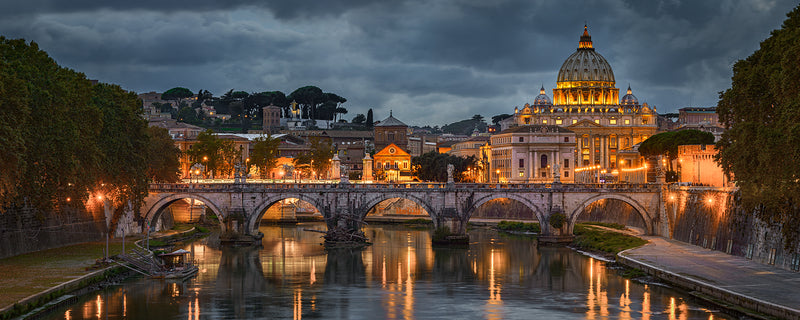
255,187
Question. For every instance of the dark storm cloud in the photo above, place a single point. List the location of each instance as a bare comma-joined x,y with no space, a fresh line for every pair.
433,62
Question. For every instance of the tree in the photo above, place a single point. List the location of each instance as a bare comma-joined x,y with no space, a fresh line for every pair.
761,143
309,98
318,157
432,166
163,157
188,115
666,143
369,118
359,119
500,117
122,140
265,154
176,94
217,155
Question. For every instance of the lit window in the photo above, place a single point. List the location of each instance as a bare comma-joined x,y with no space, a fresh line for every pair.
522,174
597,121
627,121
544,121
574,121
613,121
558,121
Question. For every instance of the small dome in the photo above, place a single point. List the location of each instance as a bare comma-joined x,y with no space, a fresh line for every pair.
542,99
629,99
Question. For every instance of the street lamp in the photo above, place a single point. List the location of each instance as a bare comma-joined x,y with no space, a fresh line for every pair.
498,175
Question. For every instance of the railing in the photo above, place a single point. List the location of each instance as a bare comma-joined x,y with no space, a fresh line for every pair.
568,187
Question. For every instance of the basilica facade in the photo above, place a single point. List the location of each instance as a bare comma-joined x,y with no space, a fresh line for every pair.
586,101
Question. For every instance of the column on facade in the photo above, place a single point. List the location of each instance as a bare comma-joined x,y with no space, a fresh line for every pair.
529,169
535,161
557,159
603,151
591,150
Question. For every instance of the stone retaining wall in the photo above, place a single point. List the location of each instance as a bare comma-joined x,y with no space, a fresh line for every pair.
25,230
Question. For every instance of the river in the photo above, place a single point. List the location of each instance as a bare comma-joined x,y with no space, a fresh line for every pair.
399,277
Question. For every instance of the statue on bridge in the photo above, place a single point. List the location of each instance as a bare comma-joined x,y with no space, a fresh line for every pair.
239,173
556,173
450,169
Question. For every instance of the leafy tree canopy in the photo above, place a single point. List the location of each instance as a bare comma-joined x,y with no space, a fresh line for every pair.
265,154
666,143
761,112
465,127
177,94
432,166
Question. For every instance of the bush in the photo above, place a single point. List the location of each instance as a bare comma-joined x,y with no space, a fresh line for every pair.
518,226
557,220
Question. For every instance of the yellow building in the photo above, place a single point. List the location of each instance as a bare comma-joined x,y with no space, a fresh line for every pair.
392,164
586,101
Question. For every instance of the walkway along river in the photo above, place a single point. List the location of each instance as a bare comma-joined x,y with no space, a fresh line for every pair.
399,277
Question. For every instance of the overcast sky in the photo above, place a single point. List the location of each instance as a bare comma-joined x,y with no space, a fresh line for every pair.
432,62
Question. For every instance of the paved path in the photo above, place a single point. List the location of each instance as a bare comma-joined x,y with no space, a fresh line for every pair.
725,274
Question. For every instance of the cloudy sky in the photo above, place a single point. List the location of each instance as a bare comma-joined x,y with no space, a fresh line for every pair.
432,62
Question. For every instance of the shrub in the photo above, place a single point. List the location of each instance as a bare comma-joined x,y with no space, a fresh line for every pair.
557,220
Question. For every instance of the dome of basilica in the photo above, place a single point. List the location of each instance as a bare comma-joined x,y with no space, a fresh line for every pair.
542,99
585,64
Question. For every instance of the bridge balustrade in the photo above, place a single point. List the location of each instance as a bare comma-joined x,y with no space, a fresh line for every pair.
646,187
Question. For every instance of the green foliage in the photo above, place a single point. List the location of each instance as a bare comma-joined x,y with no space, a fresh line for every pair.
761,145
557,220
666,143
359,119
317,159
432,166
606,224
500,117
592,238
163,157
81,138
217,155
518,226
265,154
188,115
176,94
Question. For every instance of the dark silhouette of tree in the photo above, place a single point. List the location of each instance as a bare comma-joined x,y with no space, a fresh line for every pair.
369,118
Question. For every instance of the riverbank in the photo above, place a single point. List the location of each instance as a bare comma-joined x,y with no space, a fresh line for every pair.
34,279
730,281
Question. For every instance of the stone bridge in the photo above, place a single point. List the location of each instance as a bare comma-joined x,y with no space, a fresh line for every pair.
240,206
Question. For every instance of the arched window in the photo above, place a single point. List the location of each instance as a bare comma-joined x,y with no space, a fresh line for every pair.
543,162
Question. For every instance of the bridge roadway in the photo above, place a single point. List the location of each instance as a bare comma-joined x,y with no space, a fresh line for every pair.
240,206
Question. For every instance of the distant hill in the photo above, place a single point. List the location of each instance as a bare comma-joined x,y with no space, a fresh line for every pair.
465,127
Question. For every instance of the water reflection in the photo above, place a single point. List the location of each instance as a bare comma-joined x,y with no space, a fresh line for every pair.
399,277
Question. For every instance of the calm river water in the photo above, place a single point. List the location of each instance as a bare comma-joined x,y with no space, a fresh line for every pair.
399,277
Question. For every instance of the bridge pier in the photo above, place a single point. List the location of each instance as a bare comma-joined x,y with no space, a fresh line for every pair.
450,224
344,229
235,230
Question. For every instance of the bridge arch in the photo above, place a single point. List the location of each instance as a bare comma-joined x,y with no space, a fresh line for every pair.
261,207
155,210
371,203
525,201
638,207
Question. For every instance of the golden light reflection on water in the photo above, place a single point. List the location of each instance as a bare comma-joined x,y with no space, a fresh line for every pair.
494,305
400,269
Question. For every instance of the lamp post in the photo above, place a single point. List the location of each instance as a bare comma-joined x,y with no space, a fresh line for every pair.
498,175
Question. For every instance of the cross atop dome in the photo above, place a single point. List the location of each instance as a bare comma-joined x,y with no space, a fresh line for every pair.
586,39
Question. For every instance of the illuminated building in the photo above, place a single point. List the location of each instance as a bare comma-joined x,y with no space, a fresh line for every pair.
530,154
586,101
